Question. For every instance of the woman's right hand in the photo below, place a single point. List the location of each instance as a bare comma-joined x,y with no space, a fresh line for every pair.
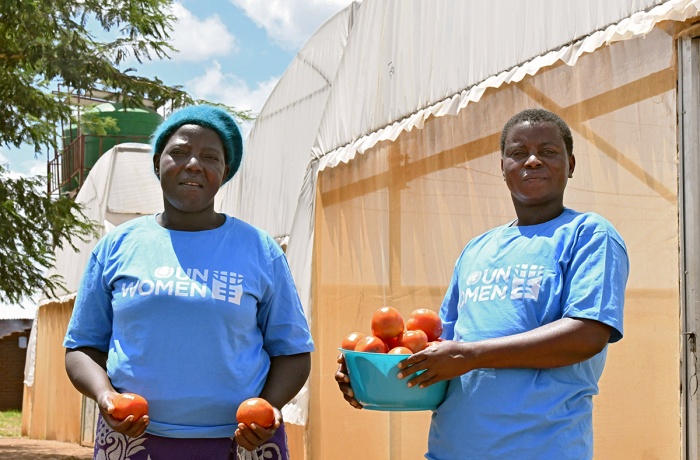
128,426
343,379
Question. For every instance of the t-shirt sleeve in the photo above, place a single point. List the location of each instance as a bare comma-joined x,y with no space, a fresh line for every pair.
448,309
91,322
280,314
596,279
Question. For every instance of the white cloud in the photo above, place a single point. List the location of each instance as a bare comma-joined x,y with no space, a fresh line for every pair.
290,23
35,167
230,89
22,162
199,39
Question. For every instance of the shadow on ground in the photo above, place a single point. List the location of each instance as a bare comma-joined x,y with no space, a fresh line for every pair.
32,449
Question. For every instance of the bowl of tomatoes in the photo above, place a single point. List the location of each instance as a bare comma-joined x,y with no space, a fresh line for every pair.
372,360
376,386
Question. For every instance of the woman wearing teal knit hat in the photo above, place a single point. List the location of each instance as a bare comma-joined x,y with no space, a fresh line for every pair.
192,309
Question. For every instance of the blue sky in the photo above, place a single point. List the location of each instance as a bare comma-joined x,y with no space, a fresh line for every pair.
229,51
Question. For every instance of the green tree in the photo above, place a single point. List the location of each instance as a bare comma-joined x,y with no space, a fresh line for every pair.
32,226
44,45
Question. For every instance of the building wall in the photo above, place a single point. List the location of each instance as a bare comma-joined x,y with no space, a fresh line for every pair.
13,351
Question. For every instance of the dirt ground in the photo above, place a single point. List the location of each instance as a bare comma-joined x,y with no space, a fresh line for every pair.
32,449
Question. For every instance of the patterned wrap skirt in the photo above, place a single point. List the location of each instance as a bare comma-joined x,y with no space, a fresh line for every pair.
110,445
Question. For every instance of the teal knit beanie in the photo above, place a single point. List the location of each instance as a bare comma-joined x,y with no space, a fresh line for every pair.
210,117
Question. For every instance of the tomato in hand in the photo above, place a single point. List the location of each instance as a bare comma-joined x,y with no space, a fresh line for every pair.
427,321
256,410
415,340
387,323
371,344
400,351
126,404
350,340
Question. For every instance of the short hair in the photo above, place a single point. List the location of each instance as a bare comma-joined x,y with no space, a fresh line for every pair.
539,116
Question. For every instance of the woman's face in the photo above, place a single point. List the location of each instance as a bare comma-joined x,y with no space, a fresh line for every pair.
191,168
536,165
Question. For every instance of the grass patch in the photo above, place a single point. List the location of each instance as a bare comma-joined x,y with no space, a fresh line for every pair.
10,424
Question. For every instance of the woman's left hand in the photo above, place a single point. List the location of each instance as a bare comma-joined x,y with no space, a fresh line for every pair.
252,437
442,361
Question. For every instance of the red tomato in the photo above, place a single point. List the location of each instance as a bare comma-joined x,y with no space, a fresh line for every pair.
415,340
427,321
256,410
126,404
393,342
400,351
350,340
371,344
387,323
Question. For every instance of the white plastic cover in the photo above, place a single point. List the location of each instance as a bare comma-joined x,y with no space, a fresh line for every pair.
265,190
407,60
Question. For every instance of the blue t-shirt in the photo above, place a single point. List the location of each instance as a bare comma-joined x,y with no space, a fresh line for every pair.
515,279
189,319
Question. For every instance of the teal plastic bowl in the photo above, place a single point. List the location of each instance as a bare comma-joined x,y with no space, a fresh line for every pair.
376,387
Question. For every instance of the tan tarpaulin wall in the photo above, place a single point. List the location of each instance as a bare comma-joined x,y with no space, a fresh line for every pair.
391,223
52,407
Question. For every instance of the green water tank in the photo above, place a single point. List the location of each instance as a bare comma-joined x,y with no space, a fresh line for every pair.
134,125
